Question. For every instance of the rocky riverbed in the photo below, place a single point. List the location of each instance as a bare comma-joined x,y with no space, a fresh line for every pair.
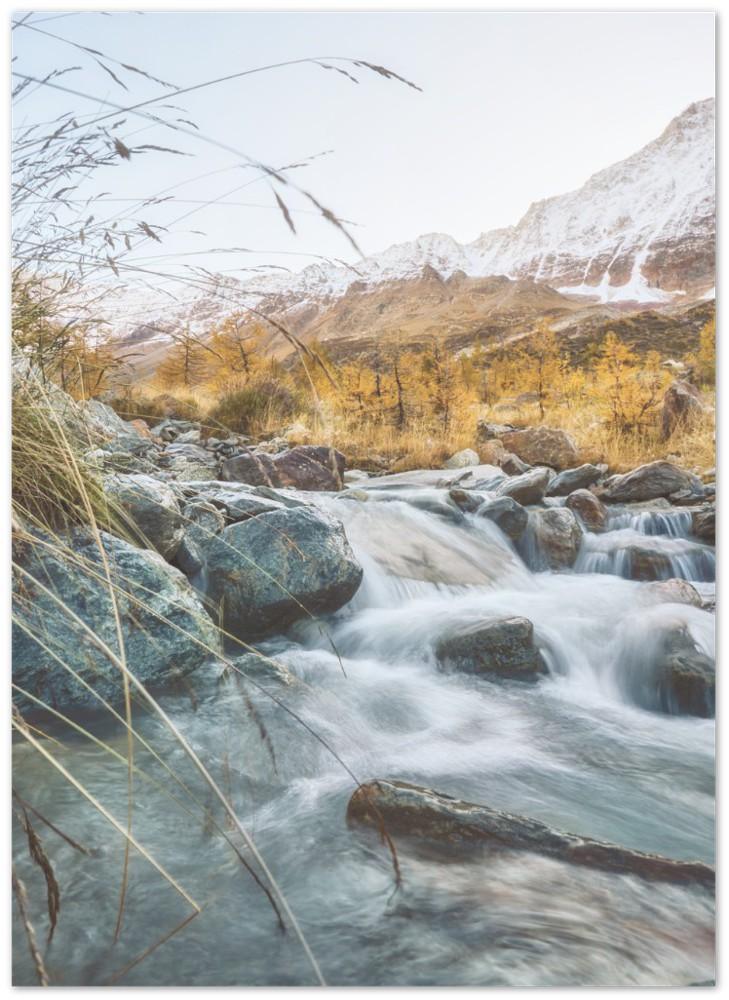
516,659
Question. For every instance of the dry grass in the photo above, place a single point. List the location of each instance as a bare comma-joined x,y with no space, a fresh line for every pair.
692,448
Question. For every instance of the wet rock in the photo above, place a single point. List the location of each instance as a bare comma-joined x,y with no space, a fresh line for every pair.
306,467
512,465
462,459
153,510
573,479
167,633
558,535
591,511
414,811
487,432
655,479
675,591
703,524
680,678
646,563
529,488
465,500
202,521
542,446
507,514
497,647
681,406
267,572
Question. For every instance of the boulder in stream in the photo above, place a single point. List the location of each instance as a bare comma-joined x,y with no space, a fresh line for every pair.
529,488
703,524
655,479
166,631
574,479
557,533
507,514
675,591
401,808
679,679
592,512
512,465
269,571
496,647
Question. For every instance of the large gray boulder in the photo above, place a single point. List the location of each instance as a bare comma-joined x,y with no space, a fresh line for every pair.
152,507
647,482
529,488
166,631
542,446
507,514
267,572
558,535
306,467
496,647
574,479
404,809
202,521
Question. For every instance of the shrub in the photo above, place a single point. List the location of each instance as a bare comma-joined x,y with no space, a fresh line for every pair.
255,409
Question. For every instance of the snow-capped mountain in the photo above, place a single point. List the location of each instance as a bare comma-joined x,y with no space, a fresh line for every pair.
642,231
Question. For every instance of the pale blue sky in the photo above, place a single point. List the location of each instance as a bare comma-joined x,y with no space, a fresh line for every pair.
515,107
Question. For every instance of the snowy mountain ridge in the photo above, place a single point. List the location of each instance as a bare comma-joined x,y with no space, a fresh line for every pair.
640,231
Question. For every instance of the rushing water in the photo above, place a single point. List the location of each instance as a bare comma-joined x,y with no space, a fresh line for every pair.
572,751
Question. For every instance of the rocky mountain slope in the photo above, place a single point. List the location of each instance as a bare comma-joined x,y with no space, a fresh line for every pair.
638,234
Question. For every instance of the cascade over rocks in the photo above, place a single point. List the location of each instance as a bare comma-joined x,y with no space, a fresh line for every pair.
542,446
164,625
529,488
497,647
271,570
415,811
647,482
